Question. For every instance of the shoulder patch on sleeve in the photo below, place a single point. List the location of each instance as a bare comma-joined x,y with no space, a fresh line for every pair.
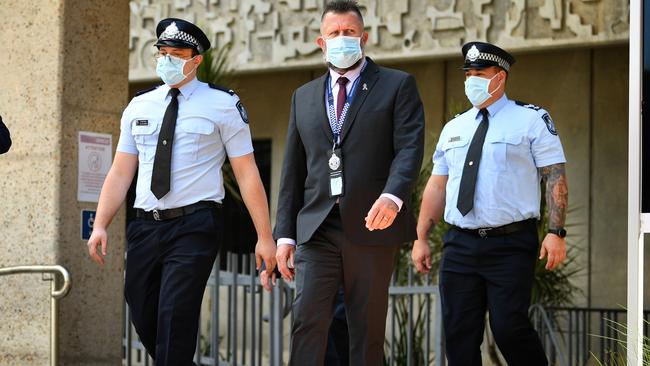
146,90
242,111
549,124
223,89
527,105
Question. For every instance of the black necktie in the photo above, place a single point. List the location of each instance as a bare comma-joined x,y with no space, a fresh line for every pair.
470,169
160,177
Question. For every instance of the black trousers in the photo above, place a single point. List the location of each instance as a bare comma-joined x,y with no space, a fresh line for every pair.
338,341
322,265
494,274
168,264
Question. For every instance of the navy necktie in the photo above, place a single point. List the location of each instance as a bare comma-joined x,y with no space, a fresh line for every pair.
161,174
470,169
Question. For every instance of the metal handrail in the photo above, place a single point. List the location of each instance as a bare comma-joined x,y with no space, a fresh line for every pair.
541,311
55,295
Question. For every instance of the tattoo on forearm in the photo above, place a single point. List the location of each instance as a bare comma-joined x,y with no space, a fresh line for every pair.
557,194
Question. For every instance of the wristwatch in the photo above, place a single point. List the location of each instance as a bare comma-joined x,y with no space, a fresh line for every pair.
561,232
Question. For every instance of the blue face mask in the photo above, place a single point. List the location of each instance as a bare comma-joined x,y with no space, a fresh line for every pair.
477,89
343,51
170,69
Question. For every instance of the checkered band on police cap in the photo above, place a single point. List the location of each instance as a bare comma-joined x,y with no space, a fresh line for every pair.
480,55
172,33
181,33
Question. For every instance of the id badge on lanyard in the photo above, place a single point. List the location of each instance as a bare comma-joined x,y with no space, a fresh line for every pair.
335,165
335,156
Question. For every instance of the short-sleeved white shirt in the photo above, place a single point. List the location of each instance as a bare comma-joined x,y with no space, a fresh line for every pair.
211,125
520,139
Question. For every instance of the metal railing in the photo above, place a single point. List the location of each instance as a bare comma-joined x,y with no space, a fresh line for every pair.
242,324
586,331
49,274
548,335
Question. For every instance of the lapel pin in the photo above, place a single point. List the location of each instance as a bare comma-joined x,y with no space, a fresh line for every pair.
365,86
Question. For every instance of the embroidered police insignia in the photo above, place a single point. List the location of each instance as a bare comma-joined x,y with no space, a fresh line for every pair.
242,112
549,124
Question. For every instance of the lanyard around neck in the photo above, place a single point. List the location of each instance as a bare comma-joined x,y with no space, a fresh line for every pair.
337,124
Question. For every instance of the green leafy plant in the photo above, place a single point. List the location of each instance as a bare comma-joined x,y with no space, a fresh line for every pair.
215,68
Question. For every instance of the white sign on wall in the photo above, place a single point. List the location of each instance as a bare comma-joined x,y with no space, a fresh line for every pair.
95,157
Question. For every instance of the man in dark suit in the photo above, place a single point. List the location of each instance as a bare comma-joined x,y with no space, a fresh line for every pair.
353,153
5,138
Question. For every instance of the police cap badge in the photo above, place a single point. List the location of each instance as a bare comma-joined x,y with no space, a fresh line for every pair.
180,33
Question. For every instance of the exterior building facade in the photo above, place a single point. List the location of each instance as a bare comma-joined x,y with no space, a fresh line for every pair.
77,63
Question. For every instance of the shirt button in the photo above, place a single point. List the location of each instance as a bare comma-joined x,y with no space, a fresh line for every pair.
164,142
470,163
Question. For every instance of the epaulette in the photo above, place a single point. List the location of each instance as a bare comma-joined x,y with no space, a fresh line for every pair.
527,105
550,125
223,89
458,114
146,90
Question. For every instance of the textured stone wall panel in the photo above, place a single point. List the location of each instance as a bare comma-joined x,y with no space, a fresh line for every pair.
274,34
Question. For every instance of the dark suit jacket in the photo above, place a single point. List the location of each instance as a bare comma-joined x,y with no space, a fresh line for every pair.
5,138
382,147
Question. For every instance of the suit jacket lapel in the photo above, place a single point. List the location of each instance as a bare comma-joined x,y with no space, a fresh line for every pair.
321,108
367,80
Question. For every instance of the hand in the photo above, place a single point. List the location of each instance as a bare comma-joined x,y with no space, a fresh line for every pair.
267,281
421,256
97,238
284,256
555,247
382,214
265,251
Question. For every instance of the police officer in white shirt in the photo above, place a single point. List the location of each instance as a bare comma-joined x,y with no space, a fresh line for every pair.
177,137
486,178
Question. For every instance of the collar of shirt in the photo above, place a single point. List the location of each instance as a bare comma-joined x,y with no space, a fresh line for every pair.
186,90
352,75
493,108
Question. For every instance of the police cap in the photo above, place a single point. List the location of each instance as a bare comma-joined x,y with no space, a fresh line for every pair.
479,55
180,33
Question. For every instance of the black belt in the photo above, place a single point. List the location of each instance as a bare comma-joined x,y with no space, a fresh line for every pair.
500,230
172,213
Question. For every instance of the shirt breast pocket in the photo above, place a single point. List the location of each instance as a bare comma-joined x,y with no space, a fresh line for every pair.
146,140
193,138
455,153
503,151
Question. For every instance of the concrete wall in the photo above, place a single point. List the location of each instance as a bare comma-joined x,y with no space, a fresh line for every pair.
66,65
28,225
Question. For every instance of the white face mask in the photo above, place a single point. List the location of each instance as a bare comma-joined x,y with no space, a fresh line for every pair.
343,51
477,89
170,69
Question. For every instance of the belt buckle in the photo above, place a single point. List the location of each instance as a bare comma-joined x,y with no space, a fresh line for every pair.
156,215
483,232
